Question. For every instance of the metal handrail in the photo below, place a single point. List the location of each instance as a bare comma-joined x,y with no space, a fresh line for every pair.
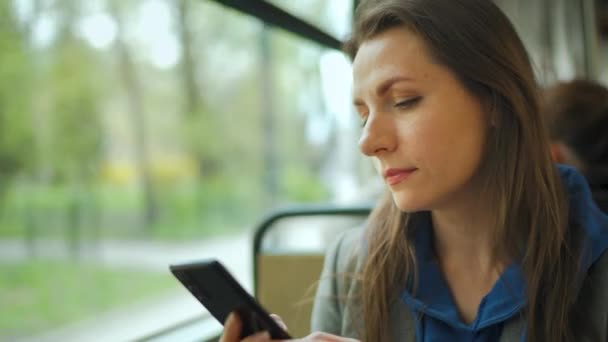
275,16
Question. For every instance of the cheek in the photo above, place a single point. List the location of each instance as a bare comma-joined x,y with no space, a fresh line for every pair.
443,146
425,142
461,149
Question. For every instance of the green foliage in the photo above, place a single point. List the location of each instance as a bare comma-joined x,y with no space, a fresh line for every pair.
188,210
73,143
76,128
204,141
299,185
15,99
66,84
44,211
217,206
39,295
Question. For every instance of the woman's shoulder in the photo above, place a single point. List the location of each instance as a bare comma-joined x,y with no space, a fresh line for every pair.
337,307
333,310
345,254
596,281
592,302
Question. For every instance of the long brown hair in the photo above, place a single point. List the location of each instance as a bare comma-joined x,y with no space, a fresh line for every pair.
477,42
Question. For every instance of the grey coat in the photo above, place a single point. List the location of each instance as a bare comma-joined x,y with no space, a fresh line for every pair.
333,314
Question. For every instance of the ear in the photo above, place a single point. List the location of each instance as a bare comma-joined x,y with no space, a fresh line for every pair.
557,152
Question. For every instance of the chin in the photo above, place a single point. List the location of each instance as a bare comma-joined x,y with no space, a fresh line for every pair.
409,204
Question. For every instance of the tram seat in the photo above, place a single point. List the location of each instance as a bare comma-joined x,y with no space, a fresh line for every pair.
289,248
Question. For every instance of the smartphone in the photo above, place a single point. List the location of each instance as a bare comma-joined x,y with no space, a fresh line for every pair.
221,294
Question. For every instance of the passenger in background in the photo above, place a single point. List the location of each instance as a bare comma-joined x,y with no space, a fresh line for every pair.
577,118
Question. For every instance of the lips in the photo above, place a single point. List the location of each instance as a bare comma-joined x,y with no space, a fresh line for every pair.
395,176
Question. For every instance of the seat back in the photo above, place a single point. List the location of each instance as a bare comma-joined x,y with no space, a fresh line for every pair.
289,249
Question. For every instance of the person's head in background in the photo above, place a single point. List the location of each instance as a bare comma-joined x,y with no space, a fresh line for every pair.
576,113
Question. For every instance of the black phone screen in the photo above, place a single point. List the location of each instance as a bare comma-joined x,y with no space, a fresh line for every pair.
221,294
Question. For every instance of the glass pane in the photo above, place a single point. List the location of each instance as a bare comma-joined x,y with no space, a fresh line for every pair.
307,234
334,17
142,133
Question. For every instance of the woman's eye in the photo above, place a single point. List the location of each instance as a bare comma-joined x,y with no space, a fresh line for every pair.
408,102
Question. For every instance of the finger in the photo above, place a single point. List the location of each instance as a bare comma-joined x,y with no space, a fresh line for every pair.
263,336
279,321
232,329
325,337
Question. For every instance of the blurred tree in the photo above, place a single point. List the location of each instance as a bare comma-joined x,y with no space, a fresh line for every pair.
271,162
75,142
75,101
188,65
297,100
200,127
15,99
137,113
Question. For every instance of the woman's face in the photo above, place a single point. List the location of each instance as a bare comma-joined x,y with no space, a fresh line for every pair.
423,128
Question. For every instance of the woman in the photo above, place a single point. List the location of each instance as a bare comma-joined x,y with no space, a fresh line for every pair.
480,236
577,118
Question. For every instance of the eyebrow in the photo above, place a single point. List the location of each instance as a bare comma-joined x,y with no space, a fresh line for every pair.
386,85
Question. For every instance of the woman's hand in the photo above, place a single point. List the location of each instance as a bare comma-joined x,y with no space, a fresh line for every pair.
233,325
321,337
232,331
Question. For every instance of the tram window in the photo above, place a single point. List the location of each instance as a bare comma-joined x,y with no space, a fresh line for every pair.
332,17
158,131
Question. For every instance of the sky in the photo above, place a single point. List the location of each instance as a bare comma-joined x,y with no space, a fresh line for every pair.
151,27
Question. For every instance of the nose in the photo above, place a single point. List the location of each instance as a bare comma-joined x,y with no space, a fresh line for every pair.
378,135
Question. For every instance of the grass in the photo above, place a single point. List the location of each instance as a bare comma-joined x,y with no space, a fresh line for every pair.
39,295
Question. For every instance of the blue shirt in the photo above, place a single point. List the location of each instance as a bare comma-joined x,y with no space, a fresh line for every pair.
433,305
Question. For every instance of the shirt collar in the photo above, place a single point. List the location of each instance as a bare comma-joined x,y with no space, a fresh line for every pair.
432,295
